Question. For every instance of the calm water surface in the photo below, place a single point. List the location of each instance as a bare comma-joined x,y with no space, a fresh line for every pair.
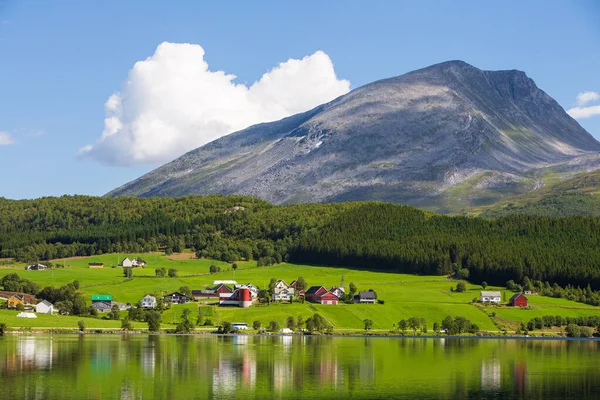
255,367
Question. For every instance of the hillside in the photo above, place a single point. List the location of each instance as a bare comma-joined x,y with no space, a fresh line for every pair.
375,236
404,296
446,137
578,195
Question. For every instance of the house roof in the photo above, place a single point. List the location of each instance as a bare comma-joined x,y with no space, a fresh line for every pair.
95,263
491,294
314,289
149,296
101,297
330,295
220,285
175,294
367,295
46,303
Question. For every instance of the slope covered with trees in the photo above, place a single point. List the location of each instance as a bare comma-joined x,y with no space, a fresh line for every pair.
377,236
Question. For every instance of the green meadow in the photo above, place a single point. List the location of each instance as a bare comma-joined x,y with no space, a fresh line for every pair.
404,296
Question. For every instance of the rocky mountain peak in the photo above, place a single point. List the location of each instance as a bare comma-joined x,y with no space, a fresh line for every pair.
420,138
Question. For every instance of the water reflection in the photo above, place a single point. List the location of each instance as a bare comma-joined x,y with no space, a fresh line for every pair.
95,367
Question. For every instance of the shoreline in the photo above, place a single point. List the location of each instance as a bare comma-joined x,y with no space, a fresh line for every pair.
113,332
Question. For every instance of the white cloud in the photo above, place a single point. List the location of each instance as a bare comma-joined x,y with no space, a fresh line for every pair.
172,103
5,138
587,97
584,112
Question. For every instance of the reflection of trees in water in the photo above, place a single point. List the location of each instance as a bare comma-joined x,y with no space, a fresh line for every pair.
73,367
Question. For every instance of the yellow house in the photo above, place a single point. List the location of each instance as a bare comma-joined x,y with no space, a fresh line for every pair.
14,301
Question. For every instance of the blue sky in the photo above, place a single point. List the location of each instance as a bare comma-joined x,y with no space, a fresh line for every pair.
61,61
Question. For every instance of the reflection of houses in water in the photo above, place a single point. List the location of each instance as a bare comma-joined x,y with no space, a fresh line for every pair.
36,351
148,359
235,370
490,374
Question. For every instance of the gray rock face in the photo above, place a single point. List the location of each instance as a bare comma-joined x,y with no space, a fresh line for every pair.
408,139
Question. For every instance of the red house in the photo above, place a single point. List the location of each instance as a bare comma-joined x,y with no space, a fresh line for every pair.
329,298
213,292
314,293
518,300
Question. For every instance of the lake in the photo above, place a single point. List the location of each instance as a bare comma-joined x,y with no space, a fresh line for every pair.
258,367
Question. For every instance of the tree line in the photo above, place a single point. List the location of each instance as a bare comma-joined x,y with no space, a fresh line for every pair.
375,236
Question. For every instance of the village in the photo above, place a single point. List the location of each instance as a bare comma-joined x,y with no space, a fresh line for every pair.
221,293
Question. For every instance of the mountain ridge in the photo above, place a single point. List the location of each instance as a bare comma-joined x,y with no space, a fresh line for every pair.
406,139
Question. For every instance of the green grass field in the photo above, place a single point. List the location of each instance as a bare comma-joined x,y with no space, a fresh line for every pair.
404,295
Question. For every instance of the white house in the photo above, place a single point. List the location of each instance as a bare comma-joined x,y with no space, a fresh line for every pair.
286,331
339,292
282,291
490,297
44,307
126,263
239,325
148,302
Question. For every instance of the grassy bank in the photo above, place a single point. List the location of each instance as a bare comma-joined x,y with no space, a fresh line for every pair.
404,296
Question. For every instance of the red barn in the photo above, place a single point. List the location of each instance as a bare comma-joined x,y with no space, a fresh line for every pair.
329,298
314,293
518,300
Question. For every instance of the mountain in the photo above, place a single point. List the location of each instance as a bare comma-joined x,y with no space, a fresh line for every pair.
446,137
578,195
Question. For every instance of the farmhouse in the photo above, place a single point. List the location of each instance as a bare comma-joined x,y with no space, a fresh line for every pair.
339,292
329,298
36,267
44,307
14,300
126,263
518,300
366,297
95,265
212,292
490,297
314,293
102,306
282,291
176,298
148,302
132,262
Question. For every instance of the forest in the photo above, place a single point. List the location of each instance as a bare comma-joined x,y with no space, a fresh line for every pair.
369,235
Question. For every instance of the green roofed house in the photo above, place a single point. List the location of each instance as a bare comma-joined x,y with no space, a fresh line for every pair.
101,297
